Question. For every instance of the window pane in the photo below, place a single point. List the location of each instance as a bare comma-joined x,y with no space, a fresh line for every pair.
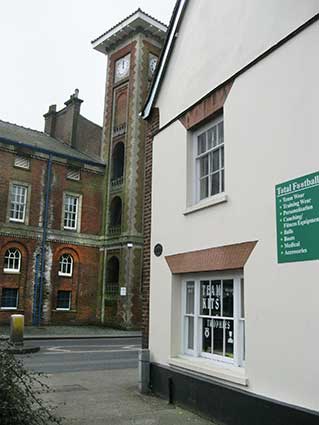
201,143
63,299
242,304
229,338
214,160
212,137
204,188
218,337
203,166
206,336
220,133
216,295
190,336
190,298
222,156
228,298
204,297
9,298
223,181
215,184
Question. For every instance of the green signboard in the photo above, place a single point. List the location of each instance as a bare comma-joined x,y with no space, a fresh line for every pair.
297,211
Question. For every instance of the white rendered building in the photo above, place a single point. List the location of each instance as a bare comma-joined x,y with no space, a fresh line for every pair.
234,279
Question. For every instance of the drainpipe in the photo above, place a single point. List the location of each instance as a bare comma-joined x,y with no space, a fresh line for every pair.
44,237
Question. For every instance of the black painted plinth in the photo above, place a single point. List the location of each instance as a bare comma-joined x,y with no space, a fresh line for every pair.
223,404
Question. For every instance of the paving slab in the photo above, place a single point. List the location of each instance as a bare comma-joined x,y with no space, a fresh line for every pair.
111,397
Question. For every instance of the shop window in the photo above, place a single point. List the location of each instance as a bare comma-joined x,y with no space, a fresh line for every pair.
9,298
66,265
214,323
12,261
63,300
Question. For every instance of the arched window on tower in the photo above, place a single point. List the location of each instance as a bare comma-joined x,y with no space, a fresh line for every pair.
117,165
112,278
115,215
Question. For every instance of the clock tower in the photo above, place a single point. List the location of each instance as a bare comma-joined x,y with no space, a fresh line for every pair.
132,48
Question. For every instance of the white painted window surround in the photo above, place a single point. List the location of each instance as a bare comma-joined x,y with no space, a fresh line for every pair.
18,202
71,211
207,182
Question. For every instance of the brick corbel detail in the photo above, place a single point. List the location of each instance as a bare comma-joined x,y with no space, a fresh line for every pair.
207,107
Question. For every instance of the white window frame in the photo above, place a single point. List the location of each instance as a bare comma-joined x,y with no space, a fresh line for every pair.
8,269
62,308
64,263
196,163
17,300
238,359
76,226
25,203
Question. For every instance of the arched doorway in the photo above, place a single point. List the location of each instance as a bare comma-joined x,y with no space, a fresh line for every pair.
112,278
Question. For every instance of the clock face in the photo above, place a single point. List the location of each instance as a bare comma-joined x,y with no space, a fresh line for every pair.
152,64
122,67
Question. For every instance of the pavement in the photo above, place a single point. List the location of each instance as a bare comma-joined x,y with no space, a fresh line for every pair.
69,332
111,397
107,394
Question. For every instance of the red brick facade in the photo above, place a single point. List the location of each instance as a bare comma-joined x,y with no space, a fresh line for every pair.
81,243
153,126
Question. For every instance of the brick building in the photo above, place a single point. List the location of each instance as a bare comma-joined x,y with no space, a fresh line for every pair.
133,47
51,194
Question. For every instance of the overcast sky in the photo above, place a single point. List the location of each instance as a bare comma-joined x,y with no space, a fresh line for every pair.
46,53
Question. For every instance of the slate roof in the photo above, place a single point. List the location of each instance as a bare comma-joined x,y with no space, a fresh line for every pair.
42,142
123,20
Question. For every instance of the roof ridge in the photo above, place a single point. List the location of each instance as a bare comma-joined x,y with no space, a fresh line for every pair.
42,133
25,128
128,17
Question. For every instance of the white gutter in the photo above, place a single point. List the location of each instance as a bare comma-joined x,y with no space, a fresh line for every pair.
146,111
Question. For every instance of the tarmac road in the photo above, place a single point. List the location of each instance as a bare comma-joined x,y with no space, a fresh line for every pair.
67,355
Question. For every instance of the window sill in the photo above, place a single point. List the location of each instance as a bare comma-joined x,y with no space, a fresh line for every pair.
62,309
206,203
9,271
9,308
211,369
64,275
13,220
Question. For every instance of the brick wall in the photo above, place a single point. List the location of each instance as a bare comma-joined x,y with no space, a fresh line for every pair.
27,238
153,126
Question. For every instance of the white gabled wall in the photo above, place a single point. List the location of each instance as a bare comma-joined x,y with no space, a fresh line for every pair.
218,38
271,136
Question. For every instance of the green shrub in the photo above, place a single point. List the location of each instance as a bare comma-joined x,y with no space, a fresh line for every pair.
20,389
